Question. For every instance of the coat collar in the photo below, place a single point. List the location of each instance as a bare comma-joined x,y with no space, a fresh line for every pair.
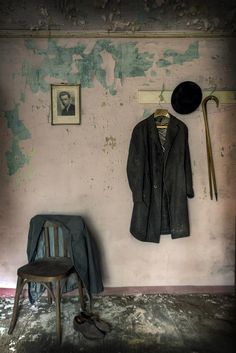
172,130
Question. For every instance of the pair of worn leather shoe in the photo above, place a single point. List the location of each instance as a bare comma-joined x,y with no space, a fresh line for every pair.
91,326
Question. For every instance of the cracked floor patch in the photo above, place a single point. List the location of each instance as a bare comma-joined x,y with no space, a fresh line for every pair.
160,323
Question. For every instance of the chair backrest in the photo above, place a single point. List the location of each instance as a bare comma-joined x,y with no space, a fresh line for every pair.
54,241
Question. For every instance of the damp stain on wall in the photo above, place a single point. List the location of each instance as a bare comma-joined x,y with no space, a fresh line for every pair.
57,62
110,143
15,157
171,57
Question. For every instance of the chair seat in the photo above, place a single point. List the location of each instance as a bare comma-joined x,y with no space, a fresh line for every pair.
47,269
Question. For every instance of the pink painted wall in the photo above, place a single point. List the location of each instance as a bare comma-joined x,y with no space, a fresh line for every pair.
82,169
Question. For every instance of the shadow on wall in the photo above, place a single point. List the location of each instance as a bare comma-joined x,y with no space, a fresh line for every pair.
99,248
5,152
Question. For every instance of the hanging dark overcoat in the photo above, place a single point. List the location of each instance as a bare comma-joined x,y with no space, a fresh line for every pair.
160,181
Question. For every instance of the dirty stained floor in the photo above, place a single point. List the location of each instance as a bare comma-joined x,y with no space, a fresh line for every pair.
161,323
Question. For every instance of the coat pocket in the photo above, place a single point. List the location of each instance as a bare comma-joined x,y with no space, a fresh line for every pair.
139,220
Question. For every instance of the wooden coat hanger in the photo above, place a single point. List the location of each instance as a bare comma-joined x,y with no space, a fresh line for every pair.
160,113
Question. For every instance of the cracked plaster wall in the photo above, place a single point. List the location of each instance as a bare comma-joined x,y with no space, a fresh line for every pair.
119,15
82,169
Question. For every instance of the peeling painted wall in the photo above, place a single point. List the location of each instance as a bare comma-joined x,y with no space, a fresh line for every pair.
119,15
82,169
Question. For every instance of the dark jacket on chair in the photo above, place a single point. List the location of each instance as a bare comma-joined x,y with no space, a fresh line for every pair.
81,247
160,181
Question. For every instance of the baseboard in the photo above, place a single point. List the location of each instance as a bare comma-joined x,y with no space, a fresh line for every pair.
10,292
169,290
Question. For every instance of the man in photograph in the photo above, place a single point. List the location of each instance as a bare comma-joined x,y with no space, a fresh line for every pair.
66,100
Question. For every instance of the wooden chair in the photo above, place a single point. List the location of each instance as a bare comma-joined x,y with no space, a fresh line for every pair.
52,268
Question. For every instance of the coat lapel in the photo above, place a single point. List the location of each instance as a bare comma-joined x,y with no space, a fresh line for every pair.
171,133
153,132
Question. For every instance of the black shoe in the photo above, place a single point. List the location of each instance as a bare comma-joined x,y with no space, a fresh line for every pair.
87,328
99,323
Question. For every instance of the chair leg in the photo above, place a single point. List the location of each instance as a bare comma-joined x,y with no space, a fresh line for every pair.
49,294
81,295
58,311
20,284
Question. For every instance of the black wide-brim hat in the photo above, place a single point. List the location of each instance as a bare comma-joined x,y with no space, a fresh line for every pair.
186,97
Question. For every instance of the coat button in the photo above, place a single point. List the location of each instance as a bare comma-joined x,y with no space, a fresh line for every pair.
155,186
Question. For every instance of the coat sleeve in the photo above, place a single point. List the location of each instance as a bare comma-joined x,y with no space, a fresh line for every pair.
135,164
188,169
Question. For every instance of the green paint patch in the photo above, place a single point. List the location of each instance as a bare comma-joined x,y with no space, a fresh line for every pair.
129,61
17,127
172,57
147,113
15,157
57,62
163,63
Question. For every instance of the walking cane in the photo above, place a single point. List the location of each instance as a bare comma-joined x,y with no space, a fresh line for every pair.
210,162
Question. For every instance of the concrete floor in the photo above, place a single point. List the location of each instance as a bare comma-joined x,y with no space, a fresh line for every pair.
143,323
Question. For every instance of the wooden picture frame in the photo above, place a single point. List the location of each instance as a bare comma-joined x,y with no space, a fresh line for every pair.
65,104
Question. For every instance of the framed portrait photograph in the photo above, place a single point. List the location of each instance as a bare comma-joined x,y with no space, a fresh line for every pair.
65,104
